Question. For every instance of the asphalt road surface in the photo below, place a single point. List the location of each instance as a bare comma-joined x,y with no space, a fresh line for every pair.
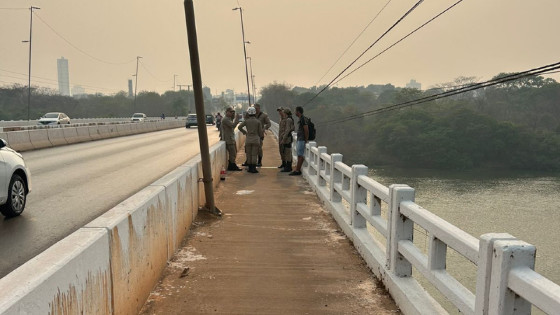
73,184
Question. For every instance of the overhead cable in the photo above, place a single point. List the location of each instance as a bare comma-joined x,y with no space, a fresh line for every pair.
400,40
80,50
375,42
468,88
352,43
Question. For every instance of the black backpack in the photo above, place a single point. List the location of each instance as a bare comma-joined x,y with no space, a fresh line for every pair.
311,128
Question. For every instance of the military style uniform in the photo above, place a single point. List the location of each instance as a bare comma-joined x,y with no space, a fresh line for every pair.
254,133
281,129
265,122
228,135
286,142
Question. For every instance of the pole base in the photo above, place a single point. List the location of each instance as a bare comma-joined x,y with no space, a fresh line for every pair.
217,212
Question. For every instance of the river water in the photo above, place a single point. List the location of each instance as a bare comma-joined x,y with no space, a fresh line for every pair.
525,205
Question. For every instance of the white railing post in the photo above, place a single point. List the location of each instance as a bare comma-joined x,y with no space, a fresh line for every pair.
359,195
509,254
484,271
321,166
336,177
309,157
437,253
400,228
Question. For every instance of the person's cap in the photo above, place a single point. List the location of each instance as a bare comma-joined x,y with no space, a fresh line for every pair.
287,111
251,111
229,109
280,109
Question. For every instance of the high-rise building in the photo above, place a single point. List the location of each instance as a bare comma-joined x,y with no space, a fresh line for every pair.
63,77
130,88
414,85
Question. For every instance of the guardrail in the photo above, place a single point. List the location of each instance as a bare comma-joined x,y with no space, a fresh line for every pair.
506,282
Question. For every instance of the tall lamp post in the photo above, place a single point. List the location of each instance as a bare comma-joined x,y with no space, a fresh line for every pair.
244,53
29,41
174,76
252,79
136,84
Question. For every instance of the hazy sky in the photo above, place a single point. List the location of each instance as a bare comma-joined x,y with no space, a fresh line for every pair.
292,41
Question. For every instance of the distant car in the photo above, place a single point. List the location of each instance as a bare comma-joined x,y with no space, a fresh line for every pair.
15,181
54,119
210,120
191,121
138,117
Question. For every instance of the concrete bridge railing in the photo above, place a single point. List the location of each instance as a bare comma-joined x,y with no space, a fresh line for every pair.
506,282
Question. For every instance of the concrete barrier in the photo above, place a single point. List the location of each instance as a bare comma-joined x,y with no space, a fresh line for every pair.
83,133
124,129
39,138
56,136
19,140
70,135
94,133
138,246
71,277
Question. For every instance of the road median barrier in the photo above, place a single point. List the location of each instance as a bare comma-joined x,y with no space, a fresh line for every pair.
19,140
56,136
39,138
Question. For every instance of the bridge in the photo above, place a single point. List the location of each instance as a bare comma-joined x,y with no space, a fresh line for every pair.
112,264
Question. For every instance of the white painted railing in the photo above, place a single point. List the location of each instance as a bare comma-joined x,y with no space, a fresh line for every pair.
506,281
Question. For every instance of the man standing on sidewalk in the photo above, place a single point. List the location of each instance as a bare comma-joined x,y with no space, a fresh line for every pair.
281,130
227,130
265,122
254,133
302,136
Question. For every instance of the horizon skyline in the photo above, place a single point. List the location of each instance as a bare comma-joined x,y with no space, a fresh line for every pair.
293,42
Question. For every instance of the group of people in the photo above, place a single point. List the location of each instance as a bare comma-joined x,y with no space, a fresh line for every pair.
254,127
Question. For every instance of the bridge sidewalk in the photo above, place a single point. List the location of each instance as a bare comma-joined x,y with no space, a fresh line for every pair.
275,251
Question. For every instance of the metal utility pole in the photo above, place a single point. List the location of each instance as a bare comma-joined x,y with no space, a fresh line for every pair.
245,54
200,116
174,76
29,41
136,84
252,79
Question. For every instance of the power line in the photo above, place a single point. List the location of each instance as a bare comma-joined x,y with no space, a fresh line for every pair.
151,74
355,60
80,50
400,40
472,87
355,39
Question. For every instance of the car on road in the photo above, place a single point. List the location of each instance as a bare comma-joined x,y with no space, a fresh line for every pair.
210,120
191,121
54,118
15,181
138,117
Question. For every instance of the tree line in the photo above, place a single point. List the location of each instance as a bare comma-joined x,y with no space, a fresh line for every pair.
514,125
14,104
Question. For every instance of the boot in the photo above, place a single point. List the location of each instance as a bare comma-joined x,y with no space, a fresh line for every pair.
245,163
253,168
259,161
287,167
283,164
233,167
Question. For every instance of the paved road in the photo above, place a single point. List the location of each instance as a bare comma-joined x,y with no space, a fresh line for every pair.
74,184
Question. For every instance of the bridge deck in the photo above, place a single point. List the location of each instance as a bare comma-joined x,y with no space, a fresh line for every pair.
275,251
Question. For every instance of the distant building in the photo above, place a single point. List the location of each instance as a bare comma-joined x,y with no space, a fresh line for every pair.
130,88
63,77
78,91
414,85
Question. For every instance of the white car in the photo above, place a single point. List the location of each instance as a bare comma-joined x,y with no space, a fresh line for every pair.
54,119
138,117
15,181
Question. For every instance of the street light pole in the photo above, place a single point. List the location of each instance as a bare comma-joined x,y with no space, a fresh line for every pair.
136,84
174,76
25,41
252,79
245,53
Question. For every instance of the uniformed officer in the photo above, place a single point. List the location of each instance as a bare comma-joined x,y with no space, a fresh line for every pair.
229,122
281,128
254,133
265,122
287,139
